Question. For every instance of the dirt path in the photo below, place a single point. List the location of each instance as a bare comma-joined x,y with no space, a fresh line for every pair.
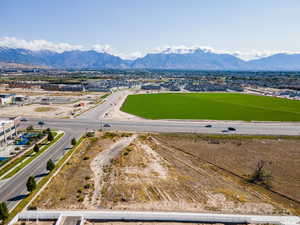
99,163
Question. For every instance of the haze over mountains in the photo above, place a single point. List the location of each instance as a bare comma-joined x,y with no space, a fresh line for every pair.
198,59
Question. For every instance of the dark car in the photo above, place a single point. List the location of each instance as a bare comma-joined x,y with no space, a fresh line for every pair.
208,126
24,119
231,128
107,125
41,123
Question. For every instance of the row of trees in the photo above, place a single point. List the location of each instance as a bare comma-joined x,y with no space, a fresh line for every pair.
31,183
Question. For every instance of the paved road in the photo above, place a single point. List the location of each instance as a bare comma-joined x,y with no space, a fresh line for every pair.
175,126
14,189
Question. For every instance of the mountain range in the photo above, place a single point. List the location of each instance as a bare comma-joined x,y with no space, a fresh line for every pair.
198,59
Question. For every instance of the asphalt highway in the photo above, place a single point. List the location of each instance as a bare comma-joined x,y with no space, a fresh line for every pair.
14,189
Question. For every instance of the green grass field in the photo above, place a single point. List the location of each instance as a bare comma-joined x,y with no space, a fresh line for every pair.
212,106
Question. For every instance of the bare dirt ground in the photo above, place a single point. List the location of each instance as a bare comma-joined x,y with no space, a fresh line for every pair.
74,187
178,173
149,177
236,158
33,108
38,110
101,162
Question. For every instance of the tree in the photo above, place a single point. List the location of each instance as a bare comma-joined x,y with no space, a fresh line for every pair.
260,176
50,136
36,148
50,165
73,141
3,211
31,184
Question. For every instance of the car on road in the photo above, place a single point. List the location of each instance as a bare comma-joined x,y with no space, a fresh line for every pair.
41,123
107,125
225,131
23,119
231,129
208,126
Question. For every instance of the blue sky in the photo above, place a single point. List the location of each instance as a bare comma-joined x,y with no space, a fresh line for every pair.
129,26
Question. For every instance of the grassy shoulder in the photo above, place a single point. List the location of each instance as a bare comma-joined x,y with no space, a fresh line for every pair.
24,203
212,106
33,156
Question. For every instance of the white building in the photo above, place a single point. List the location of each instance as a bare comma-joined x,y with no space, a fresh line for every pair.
8,130
6,99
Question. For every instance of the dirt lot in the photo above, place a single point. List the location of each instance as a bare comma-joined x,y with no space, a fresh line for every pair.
73,187
178,173
239,156
56,104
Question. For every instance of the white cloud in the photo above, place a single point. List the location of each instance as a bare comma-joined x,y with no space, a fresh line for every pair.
36,45
253,54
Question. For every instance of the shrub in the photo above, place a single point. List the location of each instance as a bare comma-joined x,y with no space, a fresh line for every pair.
50,137
36,148
3,211
73,141
50,165
90,134
31,184
87,186
260,176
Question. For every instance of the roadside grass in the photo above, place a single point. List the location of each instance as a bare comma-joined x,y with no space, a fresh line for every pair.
230,136
41,183
26,162
105,96
44,109
212,106
25,157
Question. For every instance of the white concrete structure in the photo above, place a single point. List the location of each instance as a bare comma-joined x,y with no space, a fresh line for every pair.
110,215
8,130
6,99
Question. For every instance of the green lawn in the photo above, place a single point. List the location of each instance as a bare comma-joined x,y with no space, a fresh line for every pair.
212,106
